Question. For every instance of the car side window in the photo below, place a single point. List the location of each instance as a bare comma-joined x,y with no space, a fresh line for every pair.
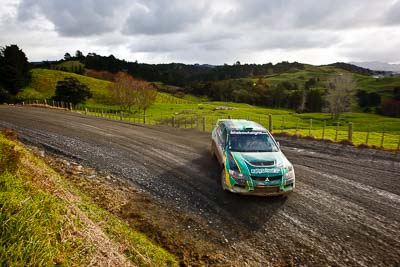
224,137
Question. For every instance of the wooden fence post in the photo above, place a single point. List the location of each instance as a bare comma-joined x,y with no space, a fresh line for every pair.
204,123
309,129
337,129
86,111
398,144
323,130
270,123
350,133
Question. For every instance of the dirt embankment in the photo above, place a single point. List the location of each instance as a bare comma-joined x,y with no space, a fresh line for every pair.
345,210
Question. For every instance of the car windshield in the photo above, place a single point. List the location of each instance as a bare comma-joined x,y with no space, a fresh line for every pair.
252,142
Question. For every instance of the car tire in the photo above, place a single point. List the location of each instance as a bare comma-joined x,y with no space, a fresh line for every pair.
212,151
223,184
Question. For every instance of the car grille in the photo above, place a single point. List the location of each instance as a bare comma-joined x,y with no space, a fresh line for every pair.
263,163
266,189
263,178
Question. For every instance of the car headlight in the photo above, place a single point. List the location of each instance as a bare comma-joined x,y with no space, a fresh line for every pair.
290,173
237,175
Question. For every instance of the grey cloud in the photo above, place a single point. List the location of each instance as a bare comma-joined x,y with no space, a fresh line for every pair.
75,18
163,16
308,14
392,16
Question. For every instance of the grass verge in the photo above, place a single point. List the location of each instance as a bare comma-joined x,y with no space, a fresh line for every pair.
45,220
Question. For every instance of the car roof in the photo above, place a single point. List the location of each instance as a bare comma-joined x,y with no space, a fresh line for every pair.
242,125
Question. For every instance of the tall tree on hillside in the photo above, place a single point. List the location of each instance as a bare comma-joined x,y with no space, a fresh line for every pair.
14,69
122,90
145,96
341,91
127,91
71,90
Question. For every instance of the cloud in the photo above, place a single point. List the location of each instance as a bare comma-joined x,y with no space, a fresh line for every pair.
75,18
205,31
392,16
164,16
308,14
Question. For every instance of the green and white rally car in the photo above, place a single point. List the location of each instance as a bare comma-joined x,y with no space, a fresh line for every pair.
251,159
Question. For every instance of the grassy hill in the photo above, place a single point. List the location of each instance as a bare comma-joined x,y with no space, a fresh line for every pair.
383,86
44,82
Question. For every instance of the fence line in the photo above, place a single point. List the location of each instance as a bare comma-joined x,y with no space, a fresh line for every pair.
337,132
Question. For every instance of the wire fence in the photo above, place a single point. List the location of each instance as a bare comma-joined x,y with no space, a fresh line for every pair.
281,124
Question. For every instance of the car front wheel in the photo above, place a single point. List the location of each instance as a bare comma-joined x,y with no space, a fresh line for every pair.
223,175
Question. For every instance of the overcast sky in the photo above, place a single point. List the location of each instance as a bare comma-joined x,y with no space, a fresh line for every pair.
206,31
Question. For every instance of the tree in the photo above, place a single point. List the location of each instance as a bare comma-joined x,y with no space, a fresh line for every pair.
339,97
122,90
67,56
71,90
14,69
145,95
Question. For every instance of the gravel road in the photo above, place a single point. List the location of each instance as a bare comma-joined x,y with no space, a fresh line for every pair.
345,210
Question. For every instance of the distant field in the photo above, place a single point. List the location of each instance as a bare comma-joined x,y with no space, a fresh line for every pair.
191,108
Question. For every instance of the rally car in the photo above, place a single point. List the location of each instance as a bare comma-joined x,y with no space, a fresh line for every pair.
251,159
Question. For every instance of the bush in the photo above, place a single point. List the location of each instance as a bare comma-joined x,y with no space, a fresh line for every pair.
71,90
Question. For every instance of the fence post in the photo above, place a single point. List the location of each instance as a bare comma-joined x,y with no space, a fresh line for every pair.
350,134
270,123
86,111
70,106
398,144
323,130
197,122
204,123
45,102
309,129
337,129
383,136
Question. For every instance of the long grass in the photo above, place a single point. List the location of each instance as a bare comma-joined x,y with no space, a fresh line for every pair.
39,226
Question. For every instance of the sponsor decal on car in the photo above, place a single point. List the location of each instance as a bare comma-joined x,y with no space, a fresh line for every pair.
265,170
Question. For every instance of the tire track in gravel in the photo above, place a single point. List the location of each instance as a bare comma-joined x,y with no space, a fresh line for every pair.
345,210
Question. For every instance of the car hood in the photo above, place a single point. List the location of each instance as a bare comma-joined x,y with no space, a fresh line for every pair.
261,163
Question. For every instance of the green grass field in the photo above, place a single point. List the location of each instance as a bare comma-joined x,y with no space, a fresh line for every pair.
191,109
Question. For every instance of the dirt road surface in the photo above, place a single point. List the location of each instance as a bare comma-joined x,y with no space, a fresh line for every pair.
345,210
